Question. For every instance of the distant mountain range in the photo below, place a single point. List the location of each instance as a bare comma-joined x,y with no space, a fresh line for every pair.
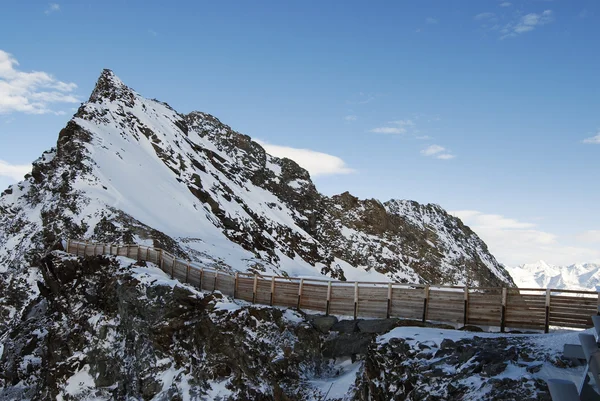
540,274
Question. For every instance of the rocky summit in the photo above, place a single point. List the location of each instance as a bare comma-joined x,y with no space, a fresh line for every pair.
127,169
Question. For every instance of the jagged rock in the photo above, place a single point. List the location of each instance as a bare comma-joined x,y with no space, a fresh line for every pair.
347,344
377,325
321,322
237,207
346,326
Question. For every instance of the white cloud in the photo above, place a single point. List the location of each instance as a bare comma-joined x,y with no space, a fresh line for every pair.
350,118
437,151
388,130
403,123
432,150
15,172
361,98
423,137
483,16
526,23
52,7
515,242
594,139
590,236
30,92
317,163
152,32
505,4
431,20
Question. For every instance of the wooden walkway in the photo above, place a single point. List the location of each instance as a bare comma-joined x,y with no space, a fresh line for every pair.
514,308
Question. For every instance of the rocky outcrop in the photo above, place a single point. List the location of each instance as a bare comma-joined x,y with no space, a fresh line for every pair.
105,328
196,186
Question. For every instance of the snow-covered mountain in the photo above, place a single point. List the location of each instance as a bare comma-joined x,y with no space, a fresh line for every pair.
540,274
131,169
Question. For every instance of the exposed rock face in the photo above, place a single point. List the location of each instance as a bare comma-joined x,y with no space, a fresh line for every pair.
407,369
105,329
99,330
130,169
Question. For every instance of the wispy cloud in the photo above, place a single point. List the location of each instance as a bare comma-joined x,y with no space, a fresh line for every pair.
437,151
361,98
388,130
403,123
317,163
590,236
526,23
152,32
30,92
350,118
594,139
515,242
52,7
431,20
394,127
483,16
505,4
15,172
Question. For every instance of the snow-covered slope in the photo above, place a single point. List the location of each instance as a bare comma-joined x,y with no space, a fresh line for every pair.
131,169
540,274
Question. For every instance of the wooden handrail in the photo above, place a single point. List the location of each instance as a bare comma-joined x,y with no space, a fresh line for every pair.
451,304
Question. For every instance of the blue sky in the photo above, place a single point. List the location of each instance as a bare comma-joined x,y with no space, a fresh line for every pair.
488,108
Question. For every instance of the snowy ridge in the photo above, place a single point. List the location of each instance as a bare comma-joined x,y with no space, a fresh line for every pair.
580,276
131,169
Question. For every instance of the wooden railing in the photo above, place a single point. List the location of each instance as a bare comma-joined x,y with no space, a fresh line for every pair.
516,308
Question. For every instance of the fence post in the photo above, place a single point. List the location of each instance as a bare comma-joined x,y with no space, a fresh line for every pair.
329,298
187,273
254,288
466,307
215,283
68,240
300,292
547,323
173,267
272,290
425,302
147,252
355,299
85,248
235,285
503,317
139,252
389,301
201,278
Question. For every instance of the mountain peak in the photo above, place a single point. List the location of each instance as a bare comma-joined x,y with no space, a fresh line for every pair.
109,87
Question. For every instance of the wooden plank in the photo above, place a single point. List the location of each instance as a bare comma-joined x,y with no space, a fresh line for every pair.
314,297
263,292
286,294
342,301
245,286
328,298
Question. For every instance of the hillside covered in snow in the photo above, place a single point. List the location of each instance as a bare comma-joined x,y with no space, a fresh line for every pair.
130,169
580,276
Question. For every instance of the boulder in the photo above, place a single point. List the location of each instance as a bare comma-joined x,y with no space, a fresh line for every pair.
346,326
321,322
377,325
348,344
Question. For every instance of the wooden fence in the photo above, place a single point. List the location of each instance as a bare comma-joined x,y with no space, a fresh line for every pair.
516,308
